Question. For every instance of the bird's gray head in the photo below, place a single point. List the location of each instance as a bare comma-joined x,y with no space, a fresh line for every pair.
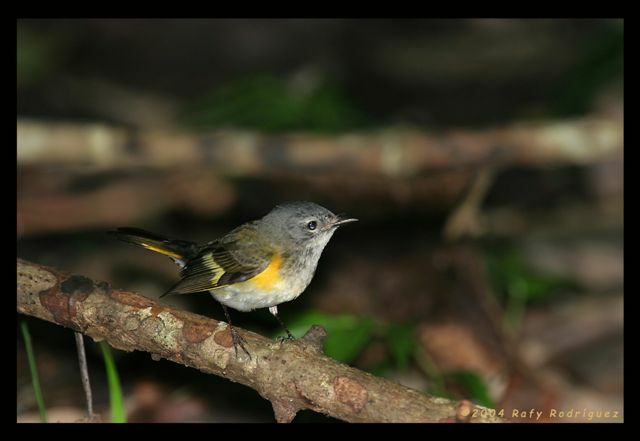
302,225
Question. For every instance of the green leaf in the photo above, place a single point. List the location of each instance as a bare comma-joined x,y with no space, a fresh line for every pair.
347,335
118,414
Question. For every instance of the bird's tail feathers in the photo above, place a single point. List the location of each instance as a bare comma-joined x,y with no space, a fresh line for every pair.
176,249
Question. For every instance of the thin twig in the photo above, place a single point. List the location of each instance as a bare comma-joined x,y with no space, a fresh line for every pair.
84,373
464,220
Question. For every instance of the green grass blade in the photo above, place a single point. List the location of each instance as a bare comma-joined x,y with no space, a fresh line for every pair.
35,380
118,414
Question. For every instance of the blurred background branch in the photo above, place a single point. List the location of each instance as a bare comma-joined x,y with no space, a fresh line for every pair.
391,153
197,166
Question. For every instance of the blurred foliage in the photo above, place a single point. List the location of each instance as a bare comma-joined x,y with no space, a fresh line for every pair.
118,412
33,370
32,57
436,73
466,383
270,103
516,285
348,335
600,62
401,342
38,54
473,387
436,378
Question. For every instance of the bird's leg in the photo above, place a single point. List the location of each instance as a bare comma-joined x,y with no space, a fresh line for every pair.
237,338
274,311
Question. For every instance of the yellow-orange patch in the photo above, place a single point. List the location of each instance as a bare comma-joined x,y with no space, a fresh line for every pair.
268,278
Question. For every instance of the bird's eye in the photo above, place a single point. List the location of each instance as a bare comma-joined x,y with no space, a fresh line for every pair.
312,225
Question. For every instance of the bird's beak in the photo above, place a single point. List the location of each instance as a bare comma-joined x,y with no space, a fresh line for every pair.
340,220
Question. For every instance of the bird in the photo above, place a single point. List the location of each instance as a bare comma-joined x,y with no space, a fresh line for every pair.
260,264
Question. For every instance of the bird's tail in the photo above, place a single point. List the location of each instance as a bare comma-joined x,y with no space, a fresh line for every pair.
180,250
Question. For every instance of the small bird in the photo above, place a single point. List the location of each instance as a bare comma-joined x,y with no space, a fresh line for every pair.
259,264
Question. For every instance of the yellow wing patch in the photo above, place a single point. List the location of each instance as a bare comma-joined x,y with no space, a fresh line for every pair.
217,270
268,278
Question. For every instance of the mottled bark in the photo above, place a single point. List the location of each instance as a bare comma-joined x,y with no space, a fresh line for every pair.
293,375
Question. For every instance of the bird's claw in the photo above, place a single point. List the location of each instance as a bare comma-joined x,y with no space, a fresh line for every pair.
238,340
289,337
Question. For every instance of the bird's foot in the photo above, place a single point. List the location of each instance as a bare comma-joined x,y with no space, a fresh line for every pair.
289,337
238,340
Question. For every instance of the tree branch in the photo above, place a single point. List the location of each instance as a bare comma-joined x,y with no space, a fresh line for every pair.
389,153
292,376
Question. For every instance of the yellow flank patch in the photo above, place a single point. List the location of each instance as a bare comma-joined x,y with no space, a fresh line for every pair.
161,250
268,278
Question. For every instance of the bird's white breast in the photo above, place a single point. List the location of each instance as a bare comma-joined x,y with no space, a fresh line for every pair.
243,297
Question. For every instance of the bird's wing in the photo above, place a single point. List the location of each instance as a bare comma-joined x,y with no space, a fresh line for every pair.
236,257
